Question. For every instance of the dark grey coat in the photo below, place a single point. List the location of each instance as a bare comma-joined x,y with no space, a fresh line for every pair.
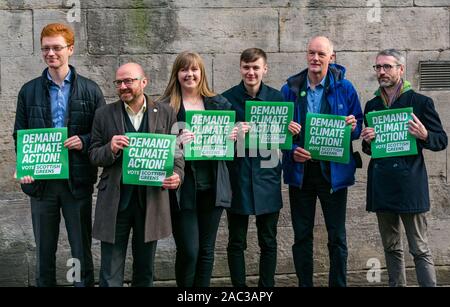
108,122
256,190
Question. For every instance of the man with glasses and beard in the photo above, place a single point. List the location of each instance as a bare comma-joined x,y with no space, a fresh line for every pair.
397,187
122,207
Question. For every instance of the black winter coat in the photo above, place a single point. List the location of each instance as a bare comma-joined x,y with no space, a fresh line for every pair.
34,111
400,184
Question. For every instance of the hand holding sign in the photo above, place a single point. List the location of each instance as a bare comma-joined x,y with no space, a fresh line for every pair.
417,129
118,142
234,134
171,182
368,134
294,128
351,120
243,128
25,179
74,142
186,137
301,155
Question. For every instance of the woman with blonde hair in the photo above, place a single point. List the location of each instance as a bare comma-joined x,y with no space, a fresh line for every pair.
197,206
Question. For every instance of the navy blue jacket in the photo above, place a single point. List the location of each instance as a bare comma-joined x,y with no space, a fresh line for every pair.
400,184
255,190
343,100
34,111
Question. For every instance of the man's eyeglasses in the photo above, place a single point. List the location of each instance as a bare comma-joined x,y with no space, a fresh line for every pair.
386,67
127,82
54,48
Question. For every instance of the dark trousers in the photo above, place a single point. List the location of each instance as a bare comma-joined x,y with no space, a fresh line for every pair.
266,225
113,256
303,208
46,217
195,231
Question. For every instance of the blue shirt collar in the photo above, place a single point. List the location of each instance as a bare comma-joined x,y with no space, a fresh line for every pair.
67,79
322,83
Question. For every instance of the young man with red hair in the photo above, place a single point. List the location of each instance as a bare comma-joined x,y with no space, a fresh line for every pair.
61,98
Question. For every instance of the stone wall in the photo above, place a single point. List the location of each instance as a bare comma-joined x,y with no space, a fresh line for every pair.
152,32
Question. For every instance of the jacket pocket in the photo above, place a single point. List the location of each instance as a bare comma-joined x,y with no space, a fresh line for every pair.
390,178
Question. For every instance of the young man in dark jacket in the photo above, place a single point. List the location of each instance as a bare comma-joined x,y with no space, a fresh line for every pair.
256,189
397,187
321,88
61,98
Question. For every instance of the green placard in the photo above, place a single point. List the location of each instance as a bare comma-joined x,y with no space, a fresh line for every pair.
328,137
392,138
41,153
269,123
212,130
148,159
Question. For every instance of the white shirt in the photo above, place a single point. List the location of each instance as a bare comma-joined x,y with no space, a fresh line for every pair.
136,118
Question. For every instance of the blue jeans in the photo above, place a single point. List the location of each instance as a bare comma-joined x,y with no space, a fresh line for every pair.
303,209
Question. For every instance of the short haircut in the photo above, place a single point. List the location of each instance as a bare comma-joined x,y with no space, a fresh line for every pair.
253,54
330,43
399,57
55,29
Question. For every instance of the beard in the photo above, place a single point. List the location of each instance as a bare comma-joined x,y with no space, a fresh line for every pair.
387,82
127,95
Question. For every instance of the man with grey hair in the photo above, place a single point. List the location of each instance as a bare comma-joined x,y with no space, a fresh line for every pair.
321,88
397,187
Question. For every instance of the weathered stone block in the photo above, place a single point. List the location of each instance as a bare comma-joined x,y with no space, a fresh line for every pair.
16,35
43,17
32,4
283,3
229,3
431,2
411,28
101,69
125,4
14,245
7,156
359,71
162,30
23,69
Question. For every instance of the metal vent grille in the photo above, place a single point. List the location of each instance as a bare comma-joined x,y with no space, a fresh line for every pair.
434,75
